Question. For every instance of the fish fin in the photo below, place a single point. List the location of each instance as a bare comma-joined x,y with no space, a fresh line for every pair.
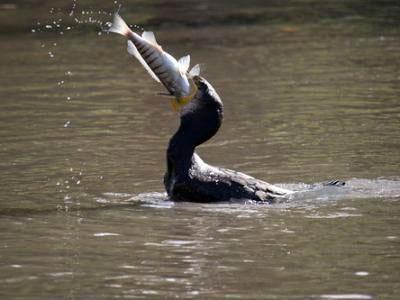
134,52
195,71
150,37
119,26
184,63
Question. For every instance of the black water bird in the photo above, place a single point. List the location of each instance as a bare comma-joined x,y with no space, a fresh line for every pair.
188,177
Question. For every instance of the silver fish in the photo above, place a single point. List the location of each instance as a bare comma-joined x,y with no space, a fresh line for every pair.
161,66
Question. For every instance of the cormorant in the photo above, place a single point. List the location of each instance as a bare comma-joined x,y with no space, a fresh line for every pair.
188,177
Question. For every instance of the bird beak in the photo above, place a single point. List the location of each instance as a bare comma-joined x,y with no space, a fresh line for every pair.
178,103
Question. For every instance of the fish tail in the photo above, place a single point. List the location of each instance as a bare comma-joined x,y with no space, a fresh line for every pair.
119,26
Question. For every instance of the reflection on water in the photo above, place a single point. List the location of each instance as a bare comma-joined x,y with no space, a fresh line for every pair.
207,250
83,135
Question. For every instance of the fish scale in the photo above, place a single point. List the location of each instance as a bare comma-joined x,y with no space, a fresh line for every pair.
161,66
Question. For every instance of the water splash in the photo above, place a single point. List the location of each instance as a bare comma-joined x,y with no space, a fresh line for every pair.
308,195
354,189
73,7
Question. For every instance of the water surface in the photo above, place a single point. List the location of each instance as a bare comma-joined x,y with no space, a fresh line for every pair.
307,99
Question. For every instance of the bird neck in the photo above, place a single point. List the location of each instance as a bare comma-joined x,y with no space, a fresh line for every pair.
180,152
200,120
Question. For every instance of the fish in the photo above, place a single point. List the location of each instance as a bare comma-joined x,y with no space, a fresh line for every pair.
161,65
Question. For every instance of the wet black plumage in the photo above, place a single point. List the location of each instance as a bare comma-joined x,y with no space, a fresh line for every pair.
188,177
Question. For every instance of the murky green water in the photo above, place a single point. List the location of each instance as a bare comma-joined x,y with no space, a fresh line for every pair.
310,95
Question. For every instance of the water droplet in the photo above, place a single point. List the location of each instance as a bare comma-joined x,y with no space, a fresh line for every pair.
33,30
68,98
54,44
49,26
68,28
78,182
99,33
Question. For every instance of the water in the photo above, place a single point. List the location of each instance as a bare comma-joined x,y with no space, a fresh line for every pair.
307,97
